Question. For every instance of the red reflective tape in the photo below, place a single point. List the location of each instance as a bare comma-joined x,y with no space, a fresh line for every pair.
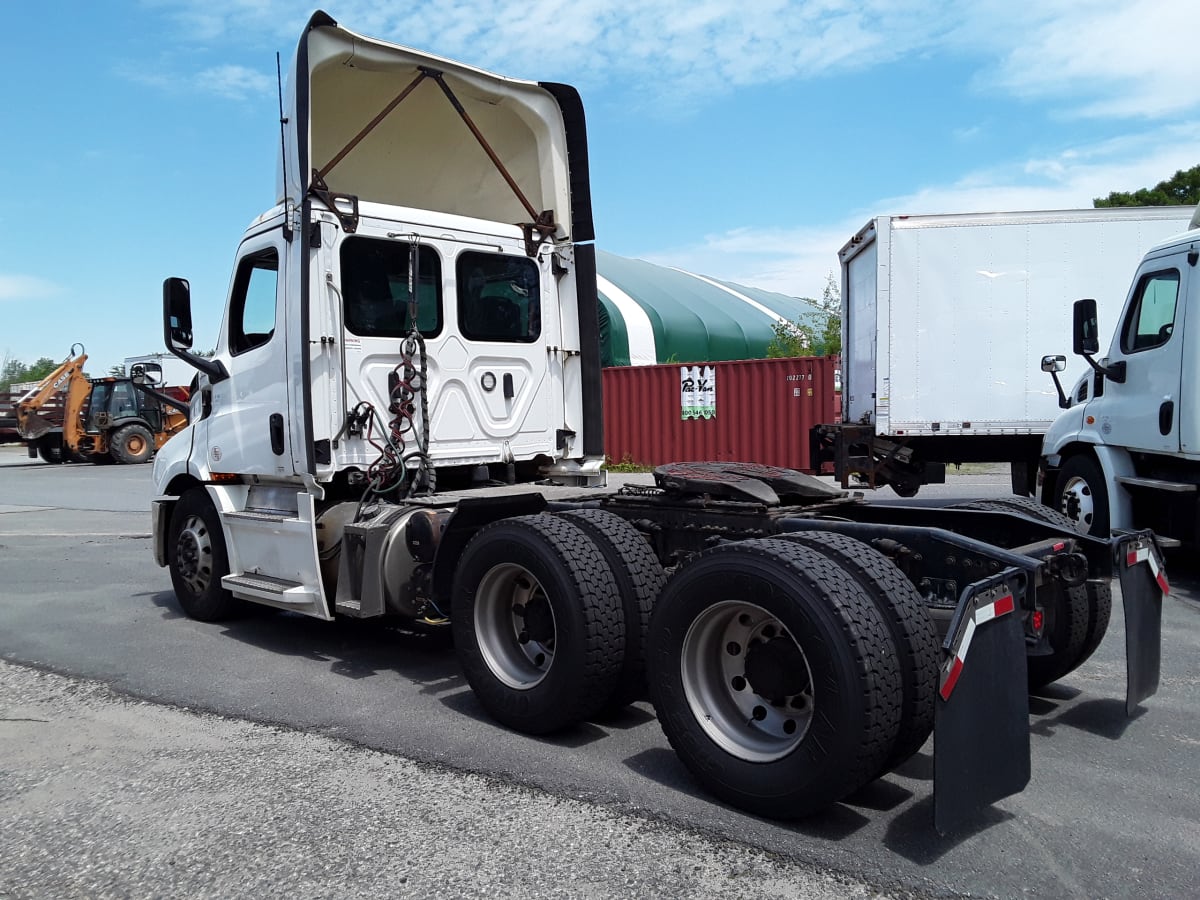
1162,583
947,688
1004,606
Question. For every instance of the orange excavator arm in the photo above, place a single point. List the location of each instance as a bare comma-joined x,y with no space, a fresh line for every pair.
31,424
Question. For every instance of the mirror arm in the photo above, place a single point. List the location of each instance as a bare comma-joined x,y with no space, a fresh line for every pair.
1114,373
213,368
1063,402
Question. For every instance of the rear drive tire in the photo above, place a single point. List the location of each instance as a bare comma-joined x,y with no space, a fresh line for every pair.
639,577
1100,604
197,559
1076,617
774,677
537,623
909,624
132,444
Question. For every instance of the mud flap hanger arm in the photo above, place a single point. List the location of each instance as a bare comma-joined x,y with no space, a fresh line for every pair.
541,226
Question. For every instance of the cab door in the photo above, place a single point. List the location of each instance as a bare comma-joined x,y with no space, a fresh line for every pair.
1143,412
246,431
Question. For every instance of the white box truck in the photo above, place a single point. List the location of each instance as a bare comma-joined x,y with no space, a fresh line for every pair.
944,324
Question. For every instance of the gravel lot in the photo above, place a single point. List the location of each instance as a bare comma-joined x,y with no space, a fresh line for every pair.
102,796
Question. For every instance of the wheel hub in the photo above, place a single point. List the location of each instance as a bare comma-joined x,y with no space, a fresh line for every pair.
1077,503
193,554
515,626
539,621
775,669
747,681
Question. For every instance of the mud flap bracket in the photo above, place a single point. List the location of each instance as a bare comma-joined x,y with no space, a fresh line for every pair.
981,724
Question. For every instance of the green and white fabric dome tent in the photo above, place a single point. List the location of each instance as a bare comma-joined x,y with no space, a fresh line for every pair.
653,314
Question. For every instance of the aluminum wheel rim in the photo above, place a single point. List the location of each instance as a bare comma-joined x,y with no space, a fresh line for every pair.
515,626
1078,504
193,554
722,699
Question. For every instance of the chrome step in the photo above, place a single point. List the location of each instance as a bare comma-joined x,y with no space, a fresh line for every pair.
1157,484
270,590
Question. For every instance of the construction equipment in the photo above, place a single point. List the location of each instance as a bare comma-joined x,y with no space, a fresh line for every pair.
68,416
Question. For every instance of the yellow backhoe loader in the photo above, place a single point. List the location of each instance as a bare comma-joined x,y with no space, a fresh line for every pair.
102,420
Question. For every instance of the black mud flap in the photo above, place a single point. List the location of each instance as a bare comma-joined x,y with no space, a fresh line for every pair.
1143,586
981,727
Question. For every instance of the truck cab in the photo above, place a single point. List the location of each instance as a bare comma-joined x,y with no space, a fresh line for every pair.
417,312
1125,452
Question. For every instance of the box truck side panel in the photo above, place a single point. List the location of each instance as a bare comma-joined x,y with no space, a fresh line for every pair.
974,306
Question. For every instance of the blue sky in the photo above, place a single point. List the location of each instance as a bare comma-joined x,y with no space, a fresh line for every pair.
742,140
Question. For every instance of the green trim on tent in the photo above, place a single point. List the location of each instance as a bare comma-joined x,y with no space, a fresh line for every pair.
614,336
692,320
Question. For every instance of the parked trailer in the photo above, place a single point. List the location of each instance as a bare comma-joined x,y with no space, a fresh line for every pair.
402,421
944,321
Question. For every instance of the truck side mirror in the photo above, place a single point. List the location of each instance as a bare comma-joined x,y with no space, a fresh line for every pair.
1054,363
1086,341
177,313
146,373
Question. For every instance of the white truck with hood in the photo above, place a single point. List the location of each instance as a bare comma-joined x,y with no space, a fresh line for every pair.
402,422
944,319
1125,451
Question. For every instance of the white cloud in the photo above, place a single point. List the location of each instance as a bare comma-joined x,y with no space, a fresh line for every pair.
230,81
797,261
234,82
26,287
1097,57
1124,58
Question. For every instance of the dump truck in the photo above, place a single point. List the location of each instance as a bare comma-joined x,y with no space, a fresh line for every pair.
943,320
402,422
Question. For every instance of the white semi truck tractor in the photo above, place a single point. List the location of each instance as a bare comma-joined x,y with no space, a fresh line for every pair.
402,422
1125,451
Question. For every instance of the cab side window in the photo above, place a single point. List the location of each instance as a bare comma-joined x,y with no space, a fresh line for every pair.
499,297
1151,318
252,313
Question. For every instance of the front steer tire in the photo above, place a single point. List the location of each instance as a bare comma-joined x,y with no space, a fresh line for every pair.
537,623
774,677
198,560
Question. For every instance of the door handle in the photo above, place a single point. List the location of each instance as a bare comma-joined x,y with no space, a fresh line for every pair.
1166,417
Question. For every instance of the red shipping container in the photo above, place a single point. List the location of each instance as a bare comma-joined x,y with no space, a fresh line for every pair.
764,409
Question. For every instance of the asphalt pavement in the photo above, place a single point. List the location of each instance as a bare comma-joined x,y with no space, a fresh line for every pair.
144,754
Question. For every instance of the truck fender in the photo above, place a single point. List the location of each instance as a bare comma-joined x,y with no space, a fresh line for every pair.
1114,463
471,514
